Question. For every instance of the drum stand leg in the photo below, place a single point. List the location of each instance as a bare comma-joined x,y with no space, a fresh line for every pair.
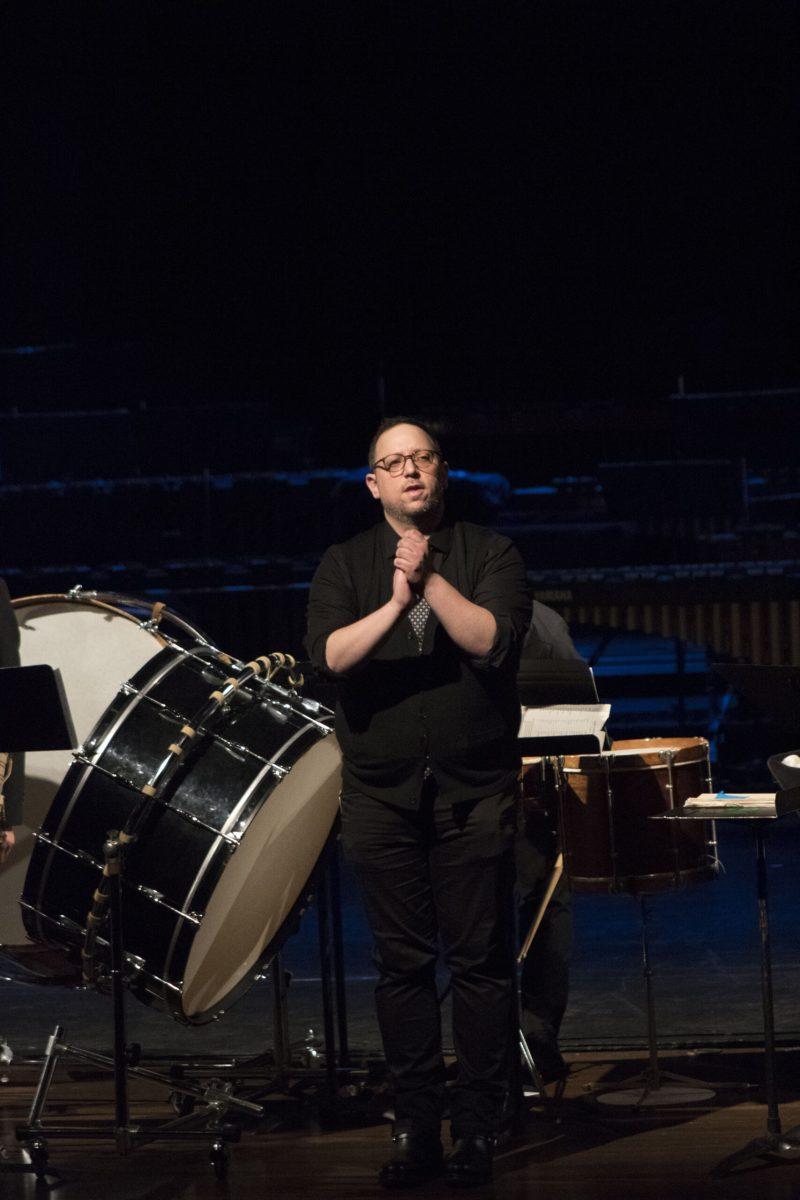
324,1062
328,1026
528,1061
339,978
280,1017
34,1135
648,1088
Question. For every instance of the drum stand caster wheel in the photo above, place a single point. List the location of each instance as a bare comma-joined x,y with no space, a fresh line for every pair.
220,1159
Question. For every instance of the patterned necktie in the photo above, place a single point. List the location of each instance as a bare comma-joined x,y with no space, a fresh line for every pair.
418,616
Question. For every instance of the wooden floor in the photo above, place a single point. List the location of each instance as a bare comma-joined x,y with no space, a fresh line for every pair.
595,1151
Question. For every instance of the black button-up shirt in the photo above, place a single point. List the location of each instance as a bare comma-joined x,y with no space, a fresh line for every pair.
408,708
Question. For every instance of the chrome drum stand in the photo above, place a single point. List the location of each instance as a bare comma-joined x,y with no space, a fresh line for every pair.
210,1125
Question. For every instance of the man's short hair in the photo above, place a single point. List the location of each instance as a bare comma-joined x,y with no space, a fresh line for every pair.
389,423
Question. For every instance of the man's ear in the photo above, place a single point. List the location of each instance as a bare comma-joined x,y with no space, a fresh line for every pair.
372,484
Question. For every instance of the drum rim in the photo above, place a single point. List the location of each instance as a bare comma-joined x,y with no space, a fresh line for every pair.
105,601
618,770
709,870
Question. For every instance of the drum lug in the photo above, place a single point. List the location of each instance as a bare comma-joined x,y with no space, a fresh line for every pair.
279,772
158,898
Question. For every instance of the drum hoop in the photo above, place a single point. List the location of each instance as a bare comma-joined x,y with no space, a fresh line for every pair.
690,872
64,597
244,804
662,766
103,600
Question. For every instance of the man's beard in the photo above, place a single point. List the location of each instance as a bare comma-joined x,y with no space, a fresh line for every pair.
432,507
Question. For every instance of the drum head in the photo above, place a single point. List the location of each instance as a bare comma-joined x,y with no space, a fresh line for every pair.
264,879
96,648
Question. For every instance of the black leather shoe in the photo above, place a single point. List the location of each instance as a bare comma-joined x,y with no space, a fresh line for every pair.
416,1156
469,1163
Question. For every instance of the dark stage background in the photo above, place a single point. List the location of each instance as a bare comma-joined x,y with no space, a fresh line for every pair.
235,235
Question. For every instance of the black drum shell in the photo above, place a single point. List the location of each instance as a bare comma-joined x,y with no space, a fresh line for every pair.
193,830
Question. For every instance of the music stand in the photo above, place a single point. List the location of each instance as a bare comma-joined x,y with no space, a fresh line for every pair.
34,714
545,683
775,1143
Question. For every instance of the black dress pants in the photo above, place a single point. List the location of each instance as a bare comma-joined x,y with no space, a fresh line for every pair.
440,873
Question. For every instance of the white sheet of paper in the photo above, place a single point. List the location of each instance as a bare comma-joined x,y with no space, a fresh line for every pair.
564,720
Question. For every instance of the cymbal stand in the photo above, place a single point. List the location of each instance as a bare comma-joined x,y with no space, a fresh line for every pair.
206,1126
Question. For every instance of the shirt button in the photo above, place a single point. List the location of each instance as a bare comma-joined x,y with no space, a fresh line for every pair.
410,636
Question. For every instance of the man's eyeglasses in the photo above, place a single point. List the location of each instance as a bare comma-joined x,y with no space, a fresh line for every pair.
395,464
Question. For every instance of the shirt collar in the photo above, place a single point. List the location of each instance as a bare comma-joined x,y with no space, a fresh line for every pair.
441,538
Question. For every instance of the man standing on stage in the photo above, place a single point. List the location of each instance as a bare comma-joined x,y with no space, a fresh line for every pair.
420,619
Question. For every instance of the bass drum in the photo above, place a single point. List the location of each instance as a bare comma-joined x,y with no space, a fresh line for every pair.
224,861
97,642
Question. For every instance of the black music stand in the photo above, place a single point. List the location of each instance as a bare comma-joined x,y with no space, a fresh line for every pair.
775,1143
541,748
34,714
543,683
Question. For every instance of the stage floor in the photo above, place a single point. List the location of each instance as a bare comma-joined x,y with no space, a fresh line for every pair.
704,956
593,1153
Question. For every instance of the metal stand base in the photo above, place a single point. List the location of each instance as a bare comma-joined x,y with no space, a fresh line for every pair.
35,1136
647,1089
641,1092
784,1146
124,1063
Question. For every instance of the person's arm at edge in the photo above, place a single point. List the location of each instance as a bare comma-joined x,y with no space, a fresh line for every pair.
347,647
471,627
488,626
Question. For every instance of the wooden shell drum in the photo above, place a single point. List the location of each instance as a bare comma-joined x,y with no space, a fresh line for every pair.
222,867
603,803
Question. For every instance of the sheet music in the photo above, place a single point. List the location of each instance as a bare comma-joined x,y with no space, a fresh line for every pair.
765,800
563,720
